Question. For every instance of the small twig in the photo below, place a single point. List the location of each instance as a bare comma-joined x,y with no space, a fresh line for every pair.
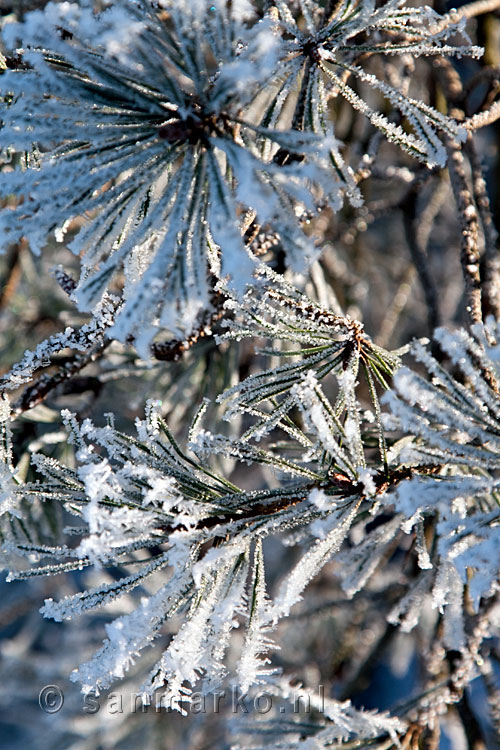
38,391
469,223
477,8
170,351
471,10
490,263
481,119
167,351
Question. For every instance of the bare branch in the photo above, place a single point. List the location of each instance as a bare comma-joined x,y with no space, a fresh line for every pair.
481,119
469,223
490,265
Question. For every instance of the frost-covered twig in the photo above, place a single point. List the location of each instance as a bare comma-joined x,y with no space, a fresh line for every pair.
469,235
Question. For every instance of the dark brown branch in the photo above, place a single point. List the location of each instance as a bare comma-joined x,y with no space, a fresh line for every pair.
469,241
38,391
490,263
168,351
171,351
342,486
